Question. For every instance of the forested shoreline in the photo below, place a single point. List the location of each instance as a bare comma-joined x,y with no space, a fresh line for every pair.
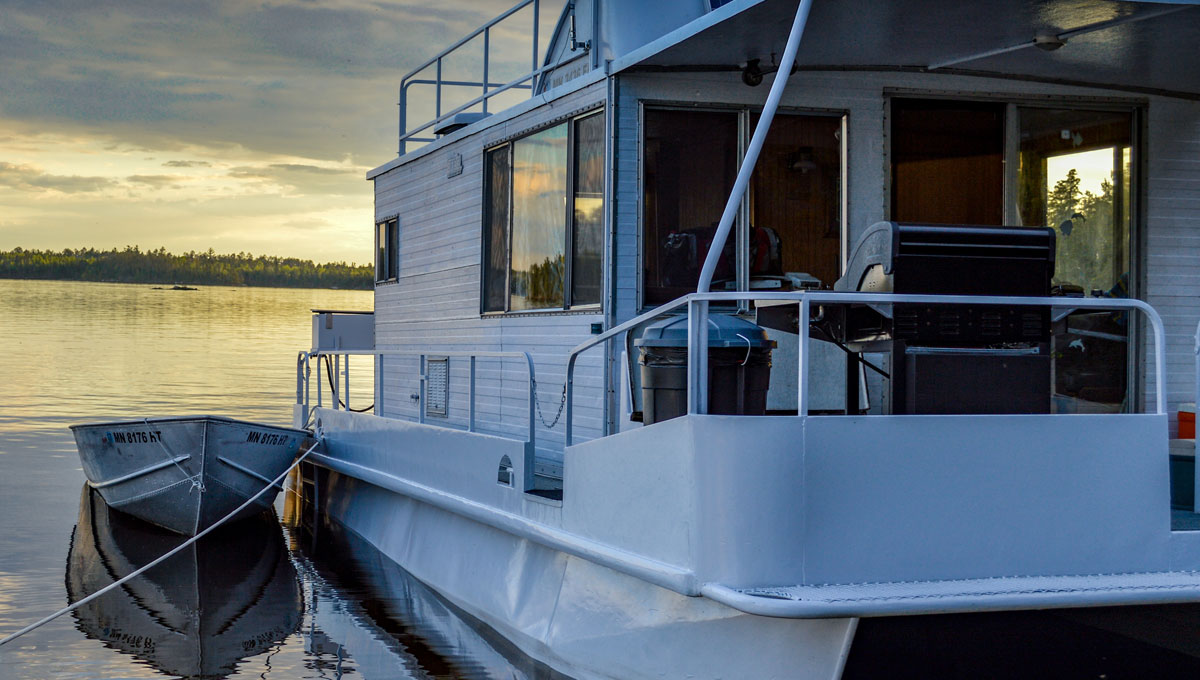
132,265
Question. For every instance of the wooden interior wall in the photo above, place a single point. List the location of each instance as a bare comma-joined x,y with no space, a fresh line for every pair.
947,161
795,190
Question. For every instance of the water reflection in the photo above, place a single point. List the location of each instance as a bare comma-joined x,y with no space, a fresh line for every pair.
372,619
231,596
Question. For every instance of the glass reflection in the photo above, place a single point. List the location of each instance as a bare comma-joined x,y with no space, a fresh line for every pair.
538,212
589,205
1074,177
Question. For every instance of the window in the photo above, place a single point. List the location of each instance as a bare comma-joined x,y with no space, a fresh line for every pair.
947,161
1070,169
543,219
789,236
387,250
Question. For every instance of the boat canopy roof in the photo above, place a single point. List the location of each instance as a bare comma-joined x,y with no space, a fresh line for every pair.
1147,47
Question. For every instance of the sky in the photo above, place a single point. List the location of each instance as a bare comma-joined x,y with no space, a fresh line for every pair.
236,125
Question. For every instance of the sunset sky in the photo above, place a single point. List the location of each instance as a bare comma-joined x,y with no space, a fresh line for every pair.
235,125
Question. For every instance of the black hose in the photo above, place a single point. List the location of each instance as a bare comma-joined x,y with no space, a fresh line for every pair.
333,389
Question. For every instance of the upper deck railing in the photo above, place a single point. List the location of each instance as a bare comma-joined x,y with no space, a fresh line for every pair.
487,88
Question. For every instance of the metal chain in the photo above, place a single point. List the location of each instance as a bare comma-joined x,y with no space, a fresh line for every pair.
538,403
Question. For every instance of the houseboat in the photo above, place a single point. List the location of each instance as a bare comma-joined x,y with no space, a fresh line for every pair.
720,326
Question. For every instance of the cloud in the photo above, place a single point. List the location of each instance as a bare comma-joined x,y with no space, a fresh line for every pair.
308,224
317,80
157,181
269,112
297,167
29,178
307,179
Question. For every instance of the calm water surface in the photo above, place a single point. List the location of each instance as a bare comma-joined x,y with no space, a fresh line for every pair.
258,602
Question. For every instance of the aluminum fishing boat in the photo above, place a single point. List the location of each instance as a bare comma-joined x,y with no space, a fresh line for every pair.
184,473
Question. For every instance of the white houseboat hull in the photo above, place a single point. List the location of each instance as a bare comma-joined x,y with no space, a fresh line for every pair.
506,558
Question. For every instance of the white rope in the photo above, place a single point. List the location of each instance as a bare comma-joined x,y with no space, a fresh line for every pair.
181,546
196,480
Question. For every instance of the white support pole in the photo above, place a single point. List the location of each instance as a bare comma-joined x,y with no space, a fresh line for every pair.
803,360
697,393
756,144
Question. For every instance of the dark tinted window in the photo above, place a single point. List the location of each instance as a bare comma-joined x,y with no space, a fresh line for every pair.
588,199
495,230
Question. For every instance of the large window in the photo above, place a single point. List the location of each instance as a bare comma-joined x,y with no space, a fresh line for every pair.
387,250
542,226
1069,169
789,233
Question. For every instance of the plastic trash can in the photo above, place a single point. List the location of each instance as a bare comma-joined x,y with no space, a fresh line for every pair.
739,367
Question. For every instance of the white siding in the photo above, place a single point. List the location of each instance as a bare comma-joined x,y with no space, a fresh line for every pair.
1172,241
434,305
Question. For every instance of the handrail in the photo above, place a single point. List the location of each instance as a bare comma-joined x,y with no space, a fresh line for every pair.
485,30
698,341
515,83
420,355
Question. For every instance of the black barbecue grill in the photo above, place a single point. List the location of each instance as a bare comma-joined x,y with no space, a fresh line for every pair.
959,358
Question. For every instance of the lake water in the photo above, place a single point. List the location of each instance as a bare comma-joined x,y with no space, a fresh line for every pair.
282,605
272,601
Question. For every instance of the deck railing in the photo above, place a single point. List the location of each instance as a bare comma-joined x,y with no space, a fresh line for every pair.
304,372
697,345
487,88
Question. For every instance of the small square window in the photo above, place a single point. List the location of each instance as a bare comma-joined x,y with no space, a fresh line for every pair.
387,250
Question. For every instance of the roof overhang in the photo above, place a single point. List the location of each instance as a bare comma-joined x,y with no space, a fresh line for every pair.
1145,47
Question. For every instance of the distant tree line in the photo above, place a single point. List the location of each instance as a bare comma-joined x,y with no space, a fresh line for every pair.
131,265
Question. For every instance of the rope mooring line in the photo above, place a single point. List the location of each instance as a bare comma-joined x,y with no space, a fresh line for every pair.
173,551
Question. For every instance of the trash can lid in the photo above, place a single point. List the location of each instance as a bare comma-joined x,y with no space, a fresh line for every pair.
723,331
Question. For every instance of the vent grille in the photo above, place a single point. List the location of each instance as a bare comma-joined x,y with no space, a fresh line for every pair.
437,386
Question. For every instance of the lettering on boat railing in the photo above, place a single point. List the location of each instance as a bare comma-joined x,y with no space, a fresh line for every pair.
134,437
267,438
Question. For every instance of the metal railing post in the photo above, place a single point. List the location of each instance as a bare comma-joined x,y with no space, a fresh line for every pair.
697,356
380,387
422,392
471,396
437,106
570,405
347,383
487,41
300,378
532,402
403,146
803,360
335,390
536,9
307,382
319,390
